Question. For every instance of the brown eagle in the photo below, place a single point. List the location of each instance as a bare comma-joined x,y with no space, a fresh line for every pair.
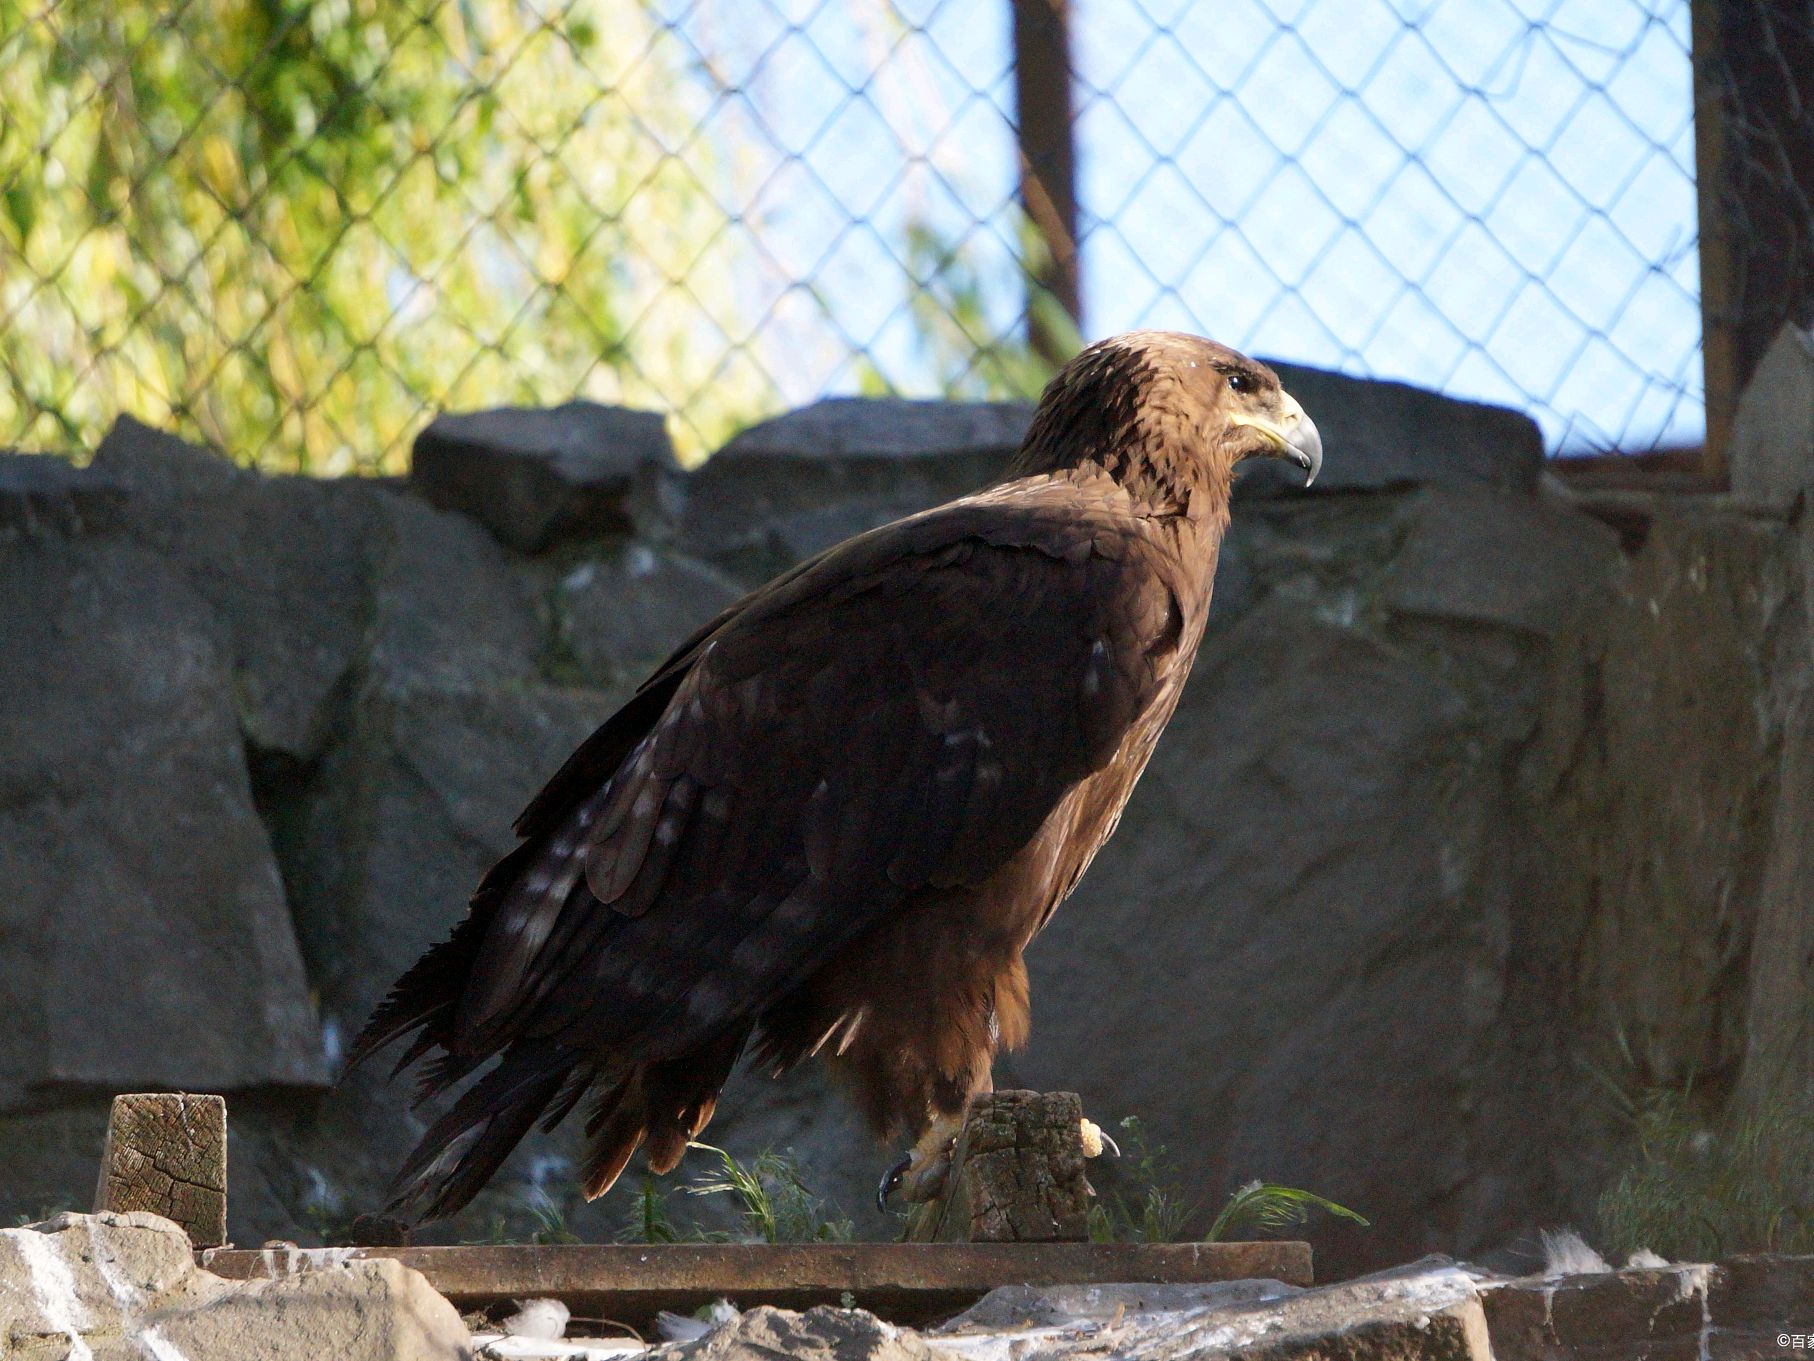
832,821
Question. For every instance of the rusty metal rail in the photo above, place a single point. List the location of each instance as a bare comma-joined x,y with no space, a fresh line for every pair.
903,1282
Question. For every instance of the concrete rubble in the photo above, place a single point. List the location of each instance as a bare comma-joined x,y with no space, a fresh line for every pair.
109,1287
125,1287
1431,1310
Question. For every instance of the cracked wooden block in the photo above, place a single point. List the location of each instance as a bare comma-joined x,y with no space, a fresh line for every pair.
1017,1175
166,1152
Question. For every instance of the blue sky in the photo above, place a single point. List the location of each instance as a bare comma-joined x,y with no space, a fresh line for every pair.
1492,197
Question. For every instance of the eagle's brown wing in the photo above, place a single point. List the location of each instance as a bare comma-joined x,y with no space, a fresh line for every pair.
903,712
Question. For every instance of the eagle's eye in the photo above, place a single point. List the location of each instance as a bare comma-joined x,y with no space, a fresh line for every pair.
1240,382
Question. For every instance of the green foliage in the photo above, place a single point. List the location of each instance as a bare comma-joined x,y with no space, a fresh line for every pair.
548,1218
289,227
649,1220
956,302
531,1216
1700,1188
1267,1208
771,1197
773,1201
1159,1214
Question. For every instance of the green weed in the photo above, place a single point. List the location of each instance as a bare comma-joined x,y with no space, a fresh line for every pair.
775,1204
1160,1212
1702,1188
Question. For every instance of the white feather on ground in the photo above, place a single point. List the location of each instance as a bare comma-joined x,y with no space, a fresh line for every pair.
1565,1253
682,1328
545,1320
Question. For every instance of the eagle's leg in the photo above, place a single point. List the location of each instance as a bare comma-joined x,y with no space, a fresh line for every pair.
922,1174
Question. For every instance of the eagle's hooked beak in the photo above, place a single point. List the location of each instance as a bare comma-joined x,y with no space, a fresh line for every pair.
1293,435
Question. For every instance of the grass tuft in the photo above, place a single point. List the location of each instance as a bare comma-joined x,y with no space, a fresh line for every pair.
1160,1212
775,1204
1704,1188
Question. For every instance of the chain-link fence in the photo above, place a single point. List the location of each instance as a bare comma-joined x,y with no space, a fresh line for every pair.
297,228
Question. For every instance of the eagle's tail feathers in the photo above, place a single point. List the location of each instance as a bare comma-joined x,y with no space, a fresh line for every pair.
578,1082
461,1150
614,1130
441,1072
664,1105
426,1039
425,996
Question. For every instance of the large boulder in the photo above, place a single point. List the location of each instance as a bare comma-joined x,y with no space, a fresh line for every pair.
39,492
617,615
147,940
279,563
1686,786
821,1334
1778,1065
119,1287
1380,435
783,490
534,475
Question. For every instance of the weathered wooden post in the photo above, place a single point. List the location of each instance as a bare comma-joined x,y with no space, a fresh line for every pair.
1043,124
1017,1175
166,1152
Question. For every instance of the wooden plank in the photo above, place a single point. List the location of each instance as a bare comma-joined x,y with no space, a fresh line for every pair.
903,1282
166,1152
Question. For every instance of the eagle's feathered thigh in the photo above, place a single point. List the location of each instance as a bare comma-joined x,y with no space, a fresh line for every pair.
832,821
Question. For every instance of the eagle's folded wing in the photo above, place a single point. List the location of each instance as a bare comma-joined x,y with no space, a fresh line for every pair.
905,711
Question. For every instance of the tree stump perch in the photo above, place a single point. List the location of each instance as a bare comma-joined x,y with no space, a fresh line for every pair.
166,1152
1017,1175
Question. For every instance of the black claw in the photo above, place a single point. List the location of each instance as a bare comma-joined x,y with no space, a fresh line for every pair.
891,1182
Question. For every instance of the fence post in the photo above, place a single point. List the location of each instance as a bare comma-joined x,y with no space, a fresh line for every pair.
1048,160
1754,167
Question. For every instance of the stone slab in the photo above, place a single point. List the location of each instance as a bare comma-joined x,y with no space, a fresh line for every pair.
1378,435
42,491
532,475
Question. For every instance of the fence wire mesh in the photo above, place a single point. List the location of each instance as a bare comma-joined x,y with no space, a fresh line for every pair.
297,228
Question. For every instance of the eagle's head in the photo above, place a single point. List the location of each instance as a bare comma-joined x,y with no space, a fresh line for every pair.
1167,411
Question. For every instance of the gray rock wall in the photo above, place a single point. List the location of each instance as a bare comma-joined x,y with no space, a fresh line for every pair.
1466,795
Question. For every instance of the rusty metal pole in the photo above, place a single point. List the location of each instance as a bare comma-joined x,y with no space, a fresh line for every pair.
1754,167
1043,116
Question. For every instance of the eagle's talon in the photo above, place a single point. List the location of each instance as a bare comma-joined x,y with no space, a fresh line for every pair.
922,1174
891,1182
